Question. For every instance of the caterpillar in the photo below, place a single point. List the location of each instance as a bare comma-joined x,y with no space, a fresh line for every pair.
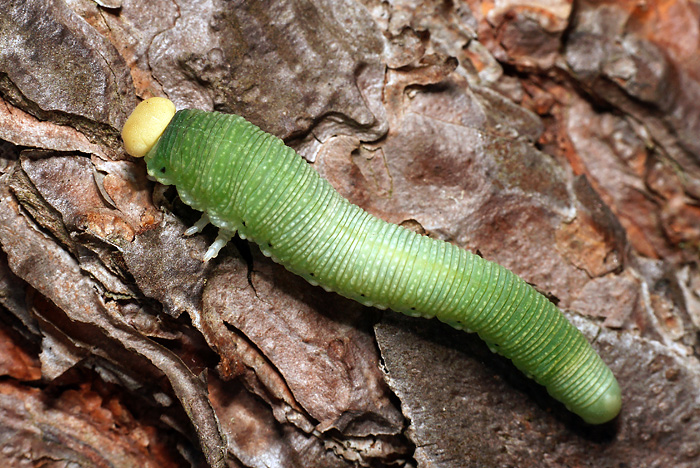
247,181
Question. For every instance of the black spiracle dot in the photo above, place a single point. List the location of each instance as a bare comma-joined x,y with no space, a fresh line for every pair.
362,294
310,274
162,170
269,244
413,308
243,223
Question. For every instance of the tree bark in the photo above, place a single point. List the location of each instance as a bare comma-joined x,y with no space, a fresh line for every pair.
556,138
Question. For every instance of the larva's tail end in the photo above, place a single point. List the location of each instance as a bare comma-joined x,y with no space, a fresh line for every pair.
146,124
606,407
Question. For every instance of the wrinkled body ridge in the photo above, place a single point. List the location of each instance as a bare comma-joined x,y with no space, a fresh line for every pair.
248,181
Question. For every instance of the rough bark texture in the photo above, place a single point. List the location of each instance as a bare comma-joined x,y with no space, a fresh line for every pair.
557,138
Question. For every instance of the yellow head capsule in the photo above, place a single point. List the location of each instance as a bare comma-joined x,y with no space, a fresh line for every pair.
146,124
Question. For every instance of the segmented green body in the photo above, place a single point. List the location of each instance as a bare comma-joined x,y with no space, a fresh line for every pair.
248,181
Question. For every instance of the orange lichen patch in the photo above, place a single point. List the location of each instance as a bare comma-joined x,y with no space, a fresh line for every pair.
486,6
86,402
108,224
15,360
585,246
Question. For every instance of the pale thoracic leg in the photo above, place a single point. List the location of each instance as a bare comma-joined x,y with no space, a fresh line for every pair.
221,240
198,226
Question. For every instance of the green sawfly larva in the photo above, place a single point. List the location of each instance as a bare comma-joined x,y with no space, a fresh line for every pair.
248,181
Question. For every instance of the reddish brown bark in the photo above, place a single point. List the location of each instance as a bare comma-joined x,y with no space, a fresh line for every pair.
557,138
